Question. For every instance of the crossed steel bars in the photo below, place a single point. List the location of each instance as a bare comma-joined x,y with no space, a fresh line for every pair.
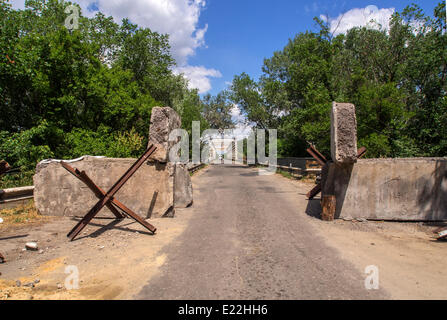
322,161
107,198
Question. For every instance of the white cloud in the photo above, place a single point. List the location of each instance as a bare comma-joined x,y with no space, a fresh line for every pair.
242,127
17,4
370,16
242,131
236,114
199,76
178,18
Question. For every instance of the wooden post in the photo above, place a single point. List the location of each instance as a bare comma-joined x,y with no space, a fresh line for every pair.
328,203
4,166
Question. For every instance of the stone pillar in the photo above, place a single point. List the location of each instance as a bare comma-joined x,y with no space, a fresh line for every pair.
343,133
163,121
155,190
182,187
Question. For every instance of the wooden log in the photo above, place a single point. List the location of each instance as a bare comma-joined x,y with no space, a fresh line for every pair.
4,166
328,203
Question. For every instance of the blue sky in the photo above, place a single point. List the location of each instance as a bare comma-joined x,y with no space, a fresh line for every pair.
242,33
213,40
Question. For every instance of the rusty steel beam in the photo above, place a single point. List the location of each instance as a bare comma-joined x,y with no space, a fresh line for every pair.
121,206
81,175
312,193
99,193
320,158
4,167
322,161
361,152
109,194
317,155
134,216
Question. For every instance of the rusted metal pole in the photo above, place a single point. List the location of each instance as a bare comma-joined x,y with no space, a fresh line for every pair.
361,152
121,206
320,158
315,190
4,166
109,195
328,205
99,193
317,155
81,175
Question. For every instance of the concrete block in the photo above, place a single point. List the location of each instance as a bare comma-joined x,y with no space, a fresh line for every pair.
182,187
412,189
163,121
343,133
149,192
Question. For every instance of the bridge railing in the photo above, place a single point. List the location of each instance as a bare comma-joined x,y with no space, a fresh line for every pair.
12,197
194,167
295,170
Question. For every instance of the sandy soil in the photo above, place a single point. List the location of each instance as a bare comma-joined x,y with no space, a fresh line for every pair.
110,257
411,261
109,265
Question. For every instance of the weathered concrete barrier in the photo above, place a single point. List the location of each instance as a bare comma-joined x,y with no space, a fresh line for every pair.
149,193
413,189
410,189
155,190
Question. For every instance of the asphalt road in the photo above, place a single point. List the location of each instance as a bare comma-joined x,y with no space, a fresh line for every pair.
250,238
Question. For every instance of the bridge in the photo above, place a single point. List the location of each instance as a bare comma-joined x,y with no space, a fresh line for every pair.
249,237
244,234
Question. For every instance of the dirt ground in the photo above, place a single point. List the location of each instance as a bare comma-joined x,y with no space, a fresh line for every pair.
111,256
410,260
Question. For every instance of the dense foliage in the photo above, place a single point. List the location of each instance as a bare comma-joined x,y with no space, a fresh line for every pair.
395,77
66,93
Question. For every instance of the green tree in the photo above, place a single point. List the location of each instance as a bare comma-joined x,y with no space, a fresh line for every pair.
396,78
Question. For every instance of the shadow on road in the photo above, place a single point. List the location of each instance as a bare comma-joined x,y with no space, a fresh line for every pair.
313,208
112,225
249,174
14,237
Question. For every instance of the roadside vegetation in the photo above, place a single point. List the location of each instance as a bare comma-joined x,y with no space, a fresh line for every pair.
64,94
396,77
20,215
91,90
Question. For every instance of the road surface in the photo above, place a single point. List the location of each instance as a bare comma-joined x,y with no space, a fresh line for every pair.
249,237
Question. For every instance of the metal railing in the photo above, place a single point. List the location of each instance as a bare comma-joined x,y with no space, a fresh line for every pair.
12,195
193,168
316,171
